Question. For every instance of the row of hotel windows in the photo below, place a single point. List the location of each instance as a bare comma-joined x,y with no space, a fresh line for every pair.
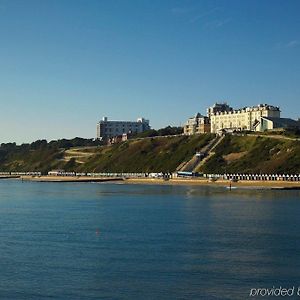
236,117
109,130
234,120
117,126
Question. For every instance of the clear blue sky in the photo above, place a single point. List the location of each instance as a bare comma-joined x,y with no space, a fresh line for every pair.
65,64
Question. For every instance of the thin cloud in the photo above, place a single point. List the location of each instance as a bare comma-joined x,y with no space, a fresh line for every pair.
216,24
205,17
292,44
204,14
288,45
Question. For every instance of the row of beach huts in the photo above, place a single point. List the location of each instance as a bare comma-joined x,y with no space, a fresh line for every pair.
20,173
232,177
255,177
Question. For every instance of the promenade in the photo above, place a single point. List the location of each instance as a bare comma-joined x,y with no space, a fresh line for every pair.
257,184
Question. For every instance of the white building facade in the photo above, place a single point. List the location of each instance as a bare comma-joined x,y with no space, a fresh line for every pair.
269,123
107,129
197,125
223,117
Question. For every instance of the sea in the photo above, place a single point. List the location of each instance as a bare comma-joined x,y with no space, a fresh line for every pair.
126,241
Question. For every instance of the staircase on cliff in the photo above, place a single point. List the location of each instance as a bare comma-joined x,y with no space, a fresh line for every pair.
196,161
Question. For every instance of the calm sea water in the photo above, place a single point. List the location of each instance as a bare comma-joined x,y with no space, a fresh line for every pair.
116,241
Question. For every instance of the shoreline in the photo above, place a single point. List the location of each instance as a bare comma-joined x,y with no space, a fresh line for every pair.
9,176
274,185
68,179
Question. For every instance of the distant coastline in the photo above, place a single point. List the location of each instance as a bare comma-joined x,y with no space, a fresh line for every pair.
203,153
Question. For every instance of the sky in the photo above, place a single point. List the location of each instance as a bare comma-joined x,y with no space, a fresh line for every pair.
65,64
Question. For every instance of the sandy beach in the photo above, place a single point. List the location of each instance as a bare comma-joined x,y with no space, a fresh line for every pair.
225,183
69,179
9,176
173,181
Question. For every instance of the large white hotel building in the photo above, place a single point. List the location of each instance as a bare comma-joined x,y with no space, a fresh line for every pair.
107,129
223,117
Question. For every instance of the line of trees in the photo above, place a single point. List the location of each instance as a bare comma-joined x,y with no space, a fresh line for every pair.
169,130
62,143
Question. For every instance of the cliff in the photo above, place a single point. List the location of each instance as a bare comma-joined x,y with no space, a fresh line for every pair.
233,154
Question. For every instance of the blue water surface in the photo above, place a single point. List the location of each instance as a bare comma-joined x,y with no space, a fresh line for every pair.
118,241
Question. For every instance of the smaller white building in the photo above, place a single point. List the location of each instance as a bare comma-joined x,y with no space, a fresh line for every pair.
107,129
197,125
268,123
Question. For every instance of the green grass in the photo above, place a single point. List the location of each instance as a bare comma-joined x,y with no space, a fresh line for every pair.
161,154
261,155
42,159
156,154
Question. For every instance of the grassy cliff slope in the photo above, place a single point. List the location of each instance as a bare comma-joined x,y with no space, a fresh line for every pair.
24,160
254,154
234,154
159,154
